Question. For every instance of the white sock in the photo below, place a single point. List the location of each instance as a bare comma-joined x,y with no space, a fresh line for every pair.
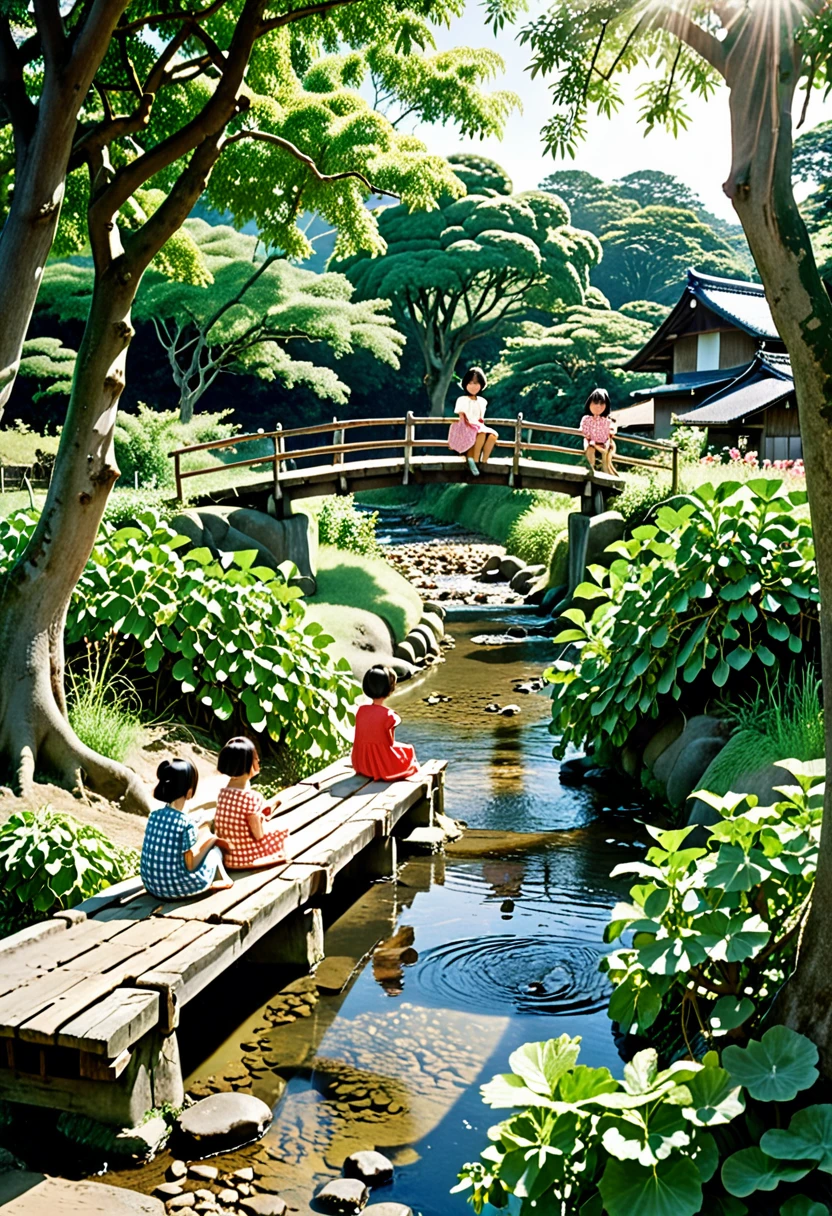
472,465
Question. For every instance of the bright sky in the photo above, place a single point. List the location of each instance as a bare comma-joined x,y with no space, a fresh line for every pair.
700,156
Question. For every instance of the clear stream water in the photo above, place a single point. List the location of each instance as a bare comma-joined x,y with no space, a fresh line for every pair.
451,967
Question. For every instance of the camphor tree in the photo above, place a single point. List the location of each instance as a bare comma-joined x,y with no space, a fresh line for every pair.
242,315
463,271
765,51
187,102
547,371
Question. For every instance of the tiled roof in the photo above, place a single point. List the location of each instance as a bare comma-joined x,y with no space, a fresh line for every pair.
685,382
642,414
765,383
743,304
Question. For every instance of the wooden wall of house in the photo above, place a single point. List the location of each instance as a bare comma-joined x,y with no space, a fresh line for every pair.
736,349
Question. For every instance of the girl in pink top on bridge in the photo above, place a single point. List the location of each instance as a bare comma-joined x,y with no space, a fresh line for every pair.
598,427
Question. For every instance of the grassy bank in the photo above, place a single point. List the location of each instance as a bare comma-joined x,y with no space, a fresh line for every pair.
350,580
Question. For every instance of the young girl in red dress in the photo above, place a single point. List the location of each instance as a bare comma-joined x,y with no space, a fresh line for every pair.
598,428
375,752
243,814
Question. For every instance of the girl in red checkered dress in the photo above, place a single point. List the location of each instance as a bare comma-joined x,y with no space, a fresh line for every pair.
243,814
598,428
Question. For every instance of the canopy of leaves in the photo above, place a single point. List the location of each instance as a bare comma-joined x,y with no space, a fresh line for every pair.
51,366
302,120
724,579
480,175
646,255
542,364
476,261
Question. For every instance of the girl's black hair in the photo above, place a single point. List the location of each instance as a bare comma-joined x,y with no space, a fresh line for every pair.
174,779
237,757
598,394
379,682
469,376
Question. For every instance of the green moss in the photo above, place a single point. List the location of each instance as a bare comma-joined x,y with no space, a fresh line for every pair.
559,561
534,534
745,751
368,583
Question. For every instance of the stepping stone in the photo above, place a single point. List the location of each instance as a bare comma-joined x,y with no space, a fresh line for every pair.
223,1118
246,1174
373,1168
206,1172
344,1196
177,1169
264,1205
167,1190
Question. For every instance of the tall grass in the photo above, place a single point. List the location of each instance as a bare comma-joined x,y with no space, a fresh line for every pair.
789,714
102,710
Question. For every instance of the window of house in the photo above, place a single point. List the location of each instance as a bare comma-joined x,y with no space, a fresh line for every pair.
707,352
783,447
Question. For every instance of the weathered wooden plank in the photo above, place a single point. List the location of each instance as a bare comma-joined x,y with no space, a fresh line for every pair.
342,845
267,907
30,999
25,938
338,768
182,977
43,1027
111,1025
213,908
134,939
116,894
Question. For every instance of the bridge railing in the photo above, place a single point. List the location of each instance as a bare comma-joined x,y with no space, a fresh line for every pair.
334,447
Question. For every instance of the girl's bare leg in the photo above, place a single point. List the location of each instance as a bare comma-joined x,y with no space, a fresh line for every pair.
607,460
476,450
589,452
488,448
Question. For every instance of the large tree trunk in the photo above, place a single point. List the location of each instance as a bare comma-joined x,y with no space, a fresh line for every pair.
763,76
34,732
30,227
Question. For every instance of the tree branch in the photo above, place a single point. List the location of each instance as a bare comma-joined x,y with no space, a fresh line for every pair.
50,27
287,146
22,112
298,14
698,39
198,14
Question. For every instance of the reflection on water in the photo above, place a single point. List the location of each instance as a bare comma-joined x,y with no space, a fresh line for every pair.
433,979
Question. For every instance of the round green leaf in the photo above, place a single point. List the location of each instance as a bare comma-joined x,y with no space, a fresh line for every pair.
671,1188
752,1170
775,1068
802,1205
715,1098
730,1012
809,1137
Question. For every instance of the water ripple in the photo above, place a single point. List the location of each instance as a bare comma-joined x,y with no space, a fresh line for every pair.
538,975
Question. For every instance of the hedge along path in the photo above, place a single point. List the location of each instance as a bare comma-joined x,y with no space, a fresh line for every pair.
90,999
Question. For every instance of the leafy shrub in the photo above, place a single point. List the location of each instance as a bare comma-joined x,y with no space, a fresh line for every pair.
226,635
715,928
694,1137
49,861
725,580
144,440
126,505
640,496
534,534
691,442
341,524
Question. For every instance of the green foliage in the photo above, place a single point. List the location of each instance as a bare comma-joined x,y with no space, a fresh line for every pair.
646,255
534,534
547,371
691,442
480,175
660,1142
50,364
470,265
641,494
19,444
725,579
227,636
341,524
125,505
495,511
714,928
144,441
50,861
789,714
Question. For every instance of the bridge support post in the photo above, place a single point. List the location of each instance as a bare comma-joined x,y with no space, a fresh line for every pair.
515,460
408,447
298,941
379,859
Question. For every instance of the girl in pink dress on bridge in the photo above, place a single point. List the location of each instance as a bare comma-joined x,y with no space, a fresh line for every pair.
468,434
598,427
375,752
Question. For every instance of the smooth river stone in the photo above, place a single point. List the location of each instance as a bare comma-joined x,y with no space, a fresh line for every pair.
264,1205
373,1168
390,1209
344,1196
225,1117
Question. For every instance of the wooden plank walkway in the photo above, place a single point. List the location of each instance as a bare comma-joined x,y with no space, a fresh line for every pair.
81,992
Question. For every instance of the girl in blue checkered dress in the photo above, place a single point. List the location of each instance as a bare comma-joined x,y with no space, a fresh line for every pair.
177,859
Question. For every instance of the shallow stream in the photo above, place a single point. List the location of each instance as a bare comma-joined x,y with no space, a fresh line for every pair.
433,979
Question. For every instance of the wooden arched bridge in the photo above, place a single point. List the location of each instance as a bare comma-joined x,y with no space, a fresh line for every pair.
318,460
